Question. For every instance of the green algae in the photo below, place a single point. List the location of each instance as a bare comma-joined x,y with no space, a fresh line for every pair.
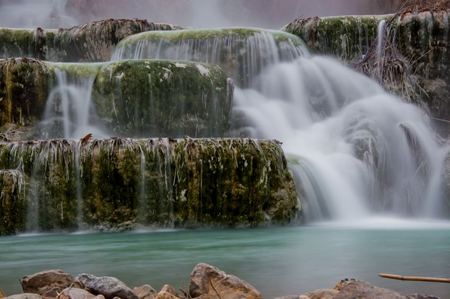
13,203
155,182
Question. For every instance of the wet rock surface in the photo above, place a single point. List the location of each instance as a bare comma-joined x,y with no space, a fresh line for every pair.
213,183
90,42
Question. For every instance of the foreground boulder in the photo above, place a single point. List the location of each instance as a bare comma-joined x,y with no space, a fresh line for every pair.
360,290
47,282
75,293
25,296
322,294
145,292
210,281
109,287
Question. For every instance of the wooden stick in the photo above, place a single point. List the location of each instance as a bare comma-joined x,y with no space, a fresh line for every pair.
415,278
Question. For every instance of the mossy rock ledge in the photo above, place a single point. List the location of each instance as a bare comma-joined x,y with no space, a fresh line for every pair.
91,42
133,98
241,52
59,184
423,38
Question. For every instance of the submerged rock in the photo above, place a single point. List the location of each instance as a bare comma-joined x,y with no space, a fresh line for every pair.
91,42
210,281
110,287
47,282
156,182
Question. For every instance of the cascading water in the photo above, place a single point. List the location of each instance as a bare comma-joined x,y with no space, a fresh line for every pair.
69,111
358,150
241,52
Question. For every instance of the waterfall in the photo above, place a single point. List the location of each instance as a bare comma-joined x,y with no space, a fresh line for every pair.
69,111
241,52
358,150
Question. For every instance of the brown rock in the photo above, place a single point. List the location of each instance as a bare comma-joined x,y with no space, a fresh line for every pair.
25,296
74,293
322,294
165,295
2,295
208,280
341,284
169,289
289,297
46,282
145,292
359,289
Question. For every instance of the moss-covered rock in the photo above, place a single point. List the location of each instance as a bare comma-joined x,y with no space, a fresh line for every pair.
13,201
241,52
346,37
136,98
24,88
155,182
141,98
91,42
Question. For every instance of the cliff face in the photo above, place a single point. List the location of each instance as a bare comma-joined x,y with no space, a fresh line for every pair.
65,185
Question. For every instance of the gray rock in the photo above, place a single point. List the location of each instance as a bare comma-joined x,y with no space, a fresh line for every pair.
46,282
25,296
289,297
360,290
74,293
208,280
109,287
145,292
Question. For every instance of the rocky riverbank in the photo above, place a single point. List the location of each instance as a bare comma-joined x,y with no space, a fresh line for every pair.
206,282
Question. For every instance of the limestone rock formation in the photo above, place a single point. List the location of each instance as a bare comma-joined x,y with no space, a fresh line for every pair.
90,42
24,88
43,282
194,182
156,98
25,296
208,280
230,48
110,287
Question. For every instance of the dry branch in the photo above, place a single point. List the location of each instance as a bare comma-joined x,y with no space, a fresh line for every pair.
415,278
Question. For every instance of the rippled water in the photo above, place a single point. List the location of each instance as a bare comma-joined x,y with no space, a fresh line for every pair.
277,261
